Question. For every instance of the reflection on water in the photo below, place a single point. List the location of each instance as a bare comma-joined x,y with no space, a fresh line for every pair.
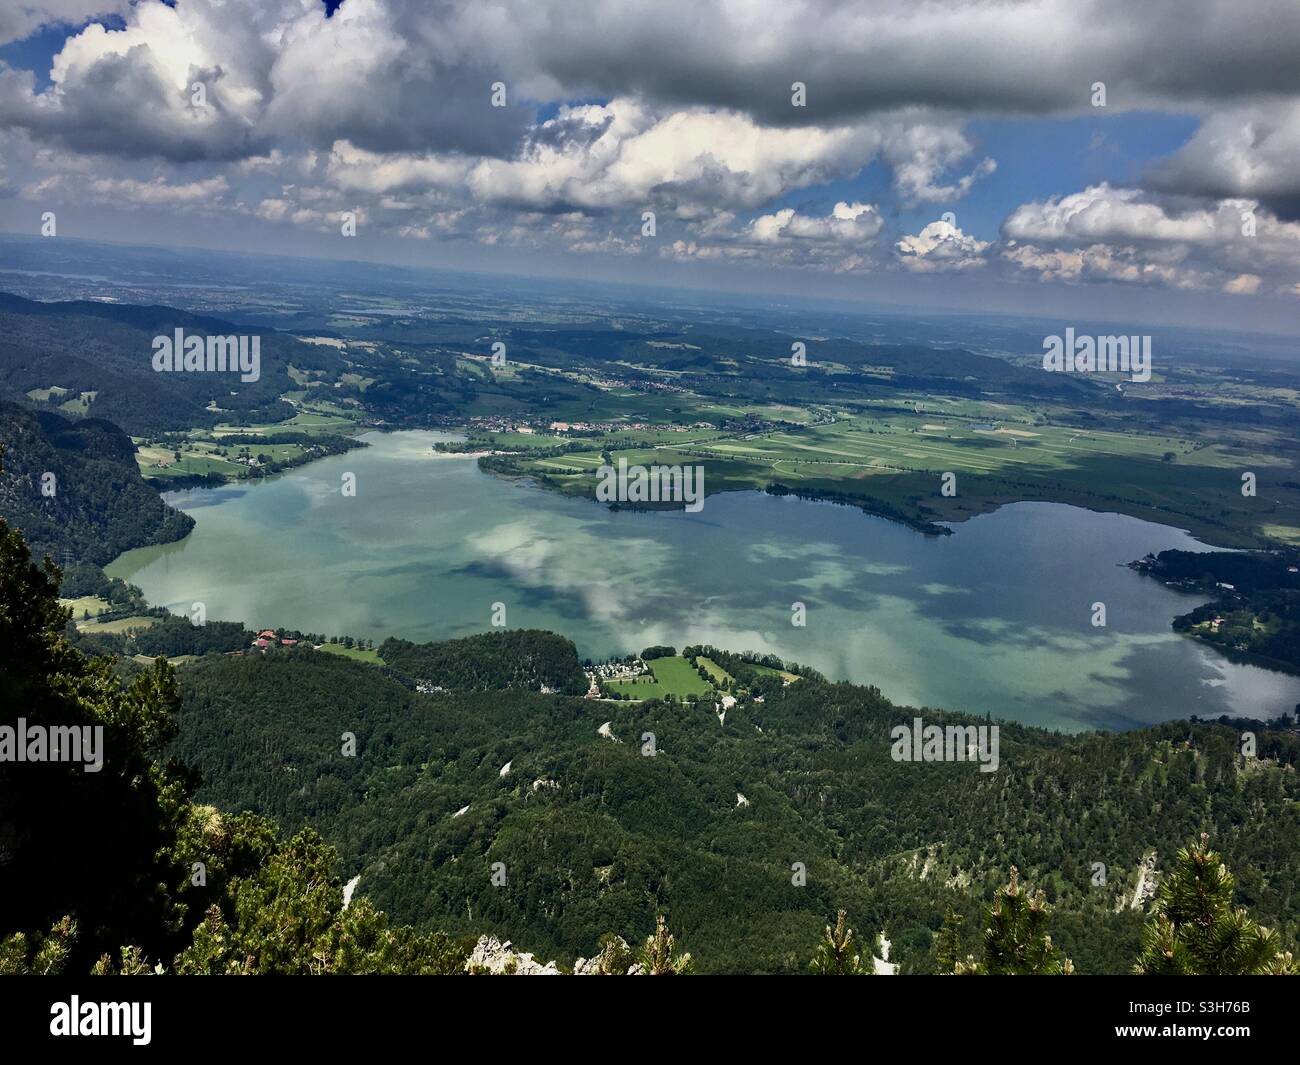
995,618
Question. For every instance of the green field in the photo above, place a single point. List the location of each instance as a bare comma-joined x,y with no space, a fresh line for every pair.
308,421
86,603
178,660
720,676
359,654
119,625
768,671
893,462
79,404
668,676
198,457
210,451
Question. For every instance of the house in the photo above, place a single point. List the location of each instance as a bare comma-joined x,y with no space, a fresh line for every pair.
266,634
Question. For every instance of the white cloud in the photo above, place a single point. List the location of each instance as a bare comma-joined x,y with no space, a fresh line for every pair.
1243,285
1130,235
1102,262
940,246
847,224
1251,151
384,109
624,154
127,192
921,154
1101,212
21,18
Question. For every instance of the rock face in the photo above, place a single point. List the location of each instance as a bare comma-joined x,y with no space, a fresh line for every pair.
1147,882
348,889
491,957
615,959
882,966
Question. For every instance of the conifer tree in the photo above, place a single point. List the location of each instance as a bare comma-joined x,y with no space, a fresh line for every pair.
948,946
1198,932
45,955
270,906
658,957
1016,942
836,954
133,963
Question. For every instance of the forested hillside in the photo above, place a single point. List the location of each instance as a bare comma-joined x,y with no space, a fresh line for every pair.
114,868
594,833
1254,609
527,815
522,659
96,505
100,356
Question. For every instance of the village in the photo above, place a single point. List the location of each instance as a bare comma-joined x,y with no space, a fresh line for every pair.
501,423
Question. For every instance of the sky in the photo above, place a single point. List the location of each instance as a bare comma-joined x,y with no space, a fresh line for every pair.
1096,157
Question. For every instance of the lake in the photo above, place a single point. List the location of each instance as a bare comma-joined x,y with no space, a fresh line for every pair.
996,618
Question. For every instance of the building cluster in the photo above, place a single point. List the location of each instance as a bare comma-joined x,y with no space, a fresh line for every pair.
499,423
268,638
618,670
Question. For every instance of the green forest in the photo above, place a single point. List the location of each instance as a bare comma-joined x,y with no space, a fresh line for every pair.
239,792
1254,607
74,489
466,788
595,834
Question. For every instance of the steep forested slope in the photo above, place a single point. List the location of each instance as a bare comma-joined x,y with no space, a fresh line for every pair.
96,506
594,834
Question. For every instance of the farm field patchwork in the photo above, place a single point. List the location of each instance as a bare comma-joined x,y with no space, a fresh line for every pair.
892,462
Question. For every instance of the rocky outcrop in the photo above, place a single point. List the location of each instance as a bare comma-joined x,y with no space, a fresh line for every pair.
1146,882
615,959
491,957
882,966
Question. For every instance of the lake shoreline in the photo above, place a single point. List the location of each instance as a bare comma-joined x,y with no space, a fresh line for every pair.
991,618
